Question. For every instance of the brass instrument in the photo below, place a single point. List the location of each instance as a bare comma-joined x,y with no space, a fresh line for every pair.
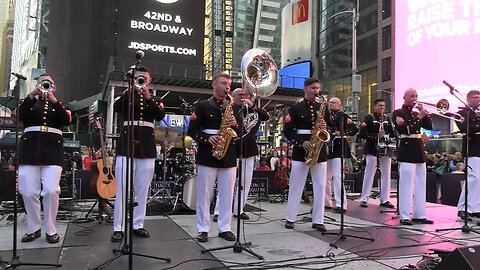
259,73
140,81
225,132
46,86
319,136
442,110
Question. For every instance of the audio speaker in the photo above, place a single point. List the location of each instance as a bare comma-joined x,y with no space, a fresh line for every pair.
461,258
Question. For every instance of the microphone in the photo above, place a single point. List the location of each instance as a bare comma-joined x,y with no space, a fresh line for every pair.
139,54
20,76
449,86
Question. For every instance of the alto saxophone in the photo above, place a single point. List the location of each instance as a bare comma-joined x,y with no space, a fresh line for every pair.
225,132
319,136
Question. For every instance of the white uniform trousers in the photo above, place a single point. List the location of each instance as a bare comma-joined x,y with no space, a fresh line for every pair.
247,174
35,181
206,181
298,177
385,178
142,177
473,187
413,178
334,170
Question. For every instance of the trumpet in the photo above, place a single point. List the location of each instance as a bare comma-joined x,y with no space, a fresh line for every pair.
45,86
442,110
141,81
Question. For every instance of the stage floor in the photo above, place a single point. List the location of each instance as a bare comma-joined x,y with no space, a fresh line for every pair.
86,245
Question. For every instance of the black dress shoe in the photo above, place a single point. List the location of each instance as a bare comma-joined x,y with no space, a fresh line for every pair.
31,236
422,221
319,227
339,210
289,225
228,235
406,222
463,215
202,237
215,218
243,216
363,204
476,214
53,239
387,204
117,236
141,232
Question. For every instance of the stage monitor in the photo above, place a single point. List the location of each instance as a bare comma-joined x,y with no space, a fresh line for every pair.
167,31
436,41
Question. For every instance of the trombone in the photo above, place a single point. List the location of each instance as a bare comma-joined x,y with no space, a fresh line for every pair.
442,110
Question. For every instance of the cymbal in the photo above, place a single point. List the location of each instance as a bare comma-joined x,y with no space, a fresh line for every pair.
172,135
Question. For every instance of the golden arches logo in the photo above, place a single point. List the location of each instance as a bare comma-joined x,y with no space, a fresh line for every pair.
300,11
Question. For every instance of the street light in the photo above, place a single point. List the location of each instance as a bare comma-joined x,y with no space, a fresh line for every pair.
355,19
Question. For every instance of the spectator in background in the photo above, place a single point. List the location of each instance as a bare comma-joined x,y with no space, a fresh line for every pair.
263,165
458,159
460,168
285,162
273,159
77,159
87,161
441,164
430,163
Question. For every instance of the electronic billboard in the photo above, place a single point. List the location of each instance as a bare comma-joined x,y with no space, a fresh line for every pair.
166,30
436,40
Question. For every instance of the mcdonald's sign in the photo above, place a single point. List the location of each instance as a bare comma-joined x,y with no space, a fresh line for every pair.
300,11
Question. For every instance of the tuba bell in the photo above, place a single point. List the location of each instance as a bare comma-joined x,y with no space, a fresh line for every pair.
259,73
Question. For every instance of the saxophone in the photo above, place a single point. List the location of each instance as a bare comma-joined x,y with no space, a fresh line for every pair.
225,132
319,136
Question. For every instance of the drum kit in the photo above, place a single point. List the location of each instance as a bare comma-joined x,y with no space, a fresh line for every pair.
174,182
387,147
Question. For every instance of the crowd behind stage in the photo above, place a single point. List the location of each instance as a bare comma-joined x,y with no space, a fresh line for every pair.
438,162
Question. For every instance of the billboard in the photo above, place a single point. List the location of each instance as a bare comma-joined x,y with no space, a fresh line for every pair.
296,32
294,76
166,30
436,41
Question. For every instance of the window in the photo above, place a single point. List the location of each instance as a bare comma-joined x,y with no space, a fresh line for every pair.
387,9
386,69
386,37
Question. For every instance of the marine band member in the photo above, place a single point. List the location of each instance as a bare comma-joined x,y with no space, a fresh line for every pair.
252,117
299,122
335,153
411,158
146,110
374,128
473,180
41,157
203,128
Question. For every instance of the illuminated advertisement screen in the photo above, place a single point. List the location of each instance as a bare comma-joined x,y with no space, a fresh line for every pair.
294,75
436,41
166,30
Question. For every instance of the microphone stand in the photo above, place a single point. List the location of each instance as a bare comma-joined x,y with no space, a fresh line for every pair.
127,248
465,228
395,212
15,261
341,234
237,246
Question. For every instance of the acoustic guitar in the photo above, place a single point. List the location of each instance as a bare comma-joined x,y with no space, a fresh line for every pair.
102,181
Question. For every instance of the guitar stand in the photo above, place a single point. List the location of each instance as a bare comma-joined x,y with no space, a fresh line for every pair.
279,198
101,210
